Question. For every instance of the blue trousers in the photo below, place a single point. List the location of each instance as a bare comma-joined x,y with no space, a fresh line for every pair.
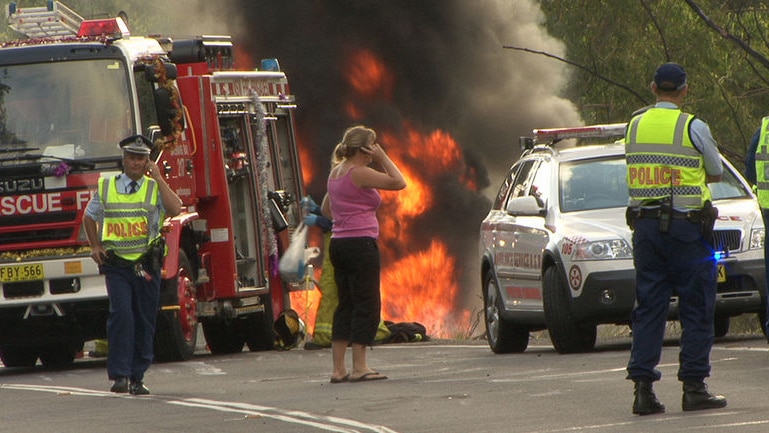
680,263
133,310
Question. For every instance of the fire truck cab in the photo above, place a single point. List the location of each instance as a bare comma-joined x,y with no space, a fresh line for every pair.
225,138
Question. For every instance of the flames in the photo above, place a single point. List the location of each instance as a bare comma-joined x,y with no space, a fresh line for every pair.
420,274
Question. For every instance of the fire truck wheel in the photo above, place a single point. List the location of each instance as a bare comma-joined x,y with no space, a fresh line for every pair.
503,335
566,334
257,330
223,337
176,332
18,356
59,355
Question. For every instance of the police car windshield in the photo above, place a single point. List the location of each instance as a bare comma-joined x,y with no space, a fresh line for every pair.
70,110
602,183
593,184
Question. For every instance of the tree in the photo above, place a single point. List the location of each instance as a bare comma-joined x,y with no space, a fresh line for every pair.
720,43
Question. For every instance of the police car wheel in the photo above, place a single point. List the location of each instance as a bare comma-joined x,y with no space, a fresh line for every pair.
566,334
721,326
503,335
18,355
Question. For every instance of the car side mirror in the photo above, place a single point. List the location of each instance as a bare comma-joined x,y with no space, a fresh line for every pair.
525,206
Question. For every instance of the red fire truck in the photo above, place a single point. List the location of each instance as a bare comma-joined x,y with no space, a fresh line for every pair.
68,93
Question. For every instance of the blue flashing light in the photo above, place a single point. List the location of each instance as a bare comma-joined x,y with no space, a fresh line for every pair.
270,65
719,255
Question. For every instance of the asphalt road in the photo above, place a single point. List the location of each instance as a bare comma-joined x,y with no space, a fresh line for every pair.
437,386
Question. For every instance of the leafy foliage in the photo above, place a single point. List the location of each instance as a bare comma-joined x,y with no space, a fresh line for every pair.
626,41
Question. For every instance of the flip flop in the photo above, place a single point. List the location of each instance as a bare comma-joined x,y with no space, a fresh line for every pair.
369,377
344,379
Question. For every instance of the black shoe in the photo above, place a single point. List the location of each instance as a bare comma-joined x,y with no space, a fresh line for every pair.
697,397
645,402
120,385
138,388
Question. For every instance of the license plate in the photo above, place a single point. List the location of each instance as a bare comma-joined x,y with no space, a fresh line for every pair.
27,272
721,273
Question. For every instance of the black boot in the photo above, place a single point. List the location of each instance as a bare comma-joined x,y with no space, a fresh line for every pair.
645,402
697,397
120,385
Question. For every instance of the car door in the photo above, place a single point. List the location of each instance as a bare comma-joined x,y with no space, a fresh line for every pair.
521,239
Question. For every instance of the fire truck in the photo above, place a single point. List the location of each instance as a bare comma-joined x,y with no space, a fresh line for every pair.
225,138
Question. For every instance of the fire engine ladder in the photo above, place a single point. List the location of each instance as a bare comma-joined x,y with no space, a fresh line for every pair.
54,20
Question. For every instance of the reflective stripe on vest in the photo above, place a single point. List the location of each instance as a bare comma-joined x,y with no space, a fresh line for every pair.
662,160
125,229
762,165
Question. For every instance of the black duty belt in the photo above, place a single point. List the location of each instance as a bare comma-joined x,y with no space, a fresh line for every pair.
692,215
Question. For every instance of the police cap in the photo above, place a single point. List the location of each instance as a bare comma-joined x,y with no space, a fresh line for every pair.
670,77
137,144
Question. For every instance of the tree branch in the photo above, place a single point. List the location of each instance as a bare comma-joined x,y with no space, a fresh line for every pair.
643,100
726,35
653,17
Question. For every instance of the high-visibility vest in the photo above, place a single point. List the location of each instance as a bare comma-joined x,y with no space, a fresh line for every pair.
762,165
662,160
125,228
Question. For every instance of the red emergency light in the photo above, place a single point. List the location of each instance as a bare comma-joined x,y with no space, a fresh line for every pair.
111,28
598,131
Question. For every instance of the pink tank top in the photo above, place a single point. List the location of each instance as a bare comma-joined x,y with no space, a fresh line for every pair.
353,208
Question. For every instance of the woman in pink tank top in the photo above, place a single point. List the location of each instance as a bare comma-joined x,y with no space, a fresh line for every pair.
352,202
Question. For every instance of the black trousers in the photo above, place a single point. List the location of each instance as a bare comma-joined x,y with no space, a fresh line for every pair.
356,271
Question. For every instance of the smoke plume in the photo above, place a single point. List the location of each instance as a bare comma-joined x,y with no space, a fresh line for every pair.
450,73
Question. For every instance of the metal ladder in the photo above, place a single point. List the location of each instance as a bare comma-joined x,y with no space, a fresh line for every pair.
55,20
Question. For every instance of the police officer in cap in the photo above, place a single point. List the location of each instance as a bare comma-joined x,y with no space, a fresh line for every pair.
671,157
122,222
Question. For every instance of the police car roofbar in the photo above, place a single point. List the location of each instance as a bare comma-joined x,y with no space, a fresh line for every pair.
593,131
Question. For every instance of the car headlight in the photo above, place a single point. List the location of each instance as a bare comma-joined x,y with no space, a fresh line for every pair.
757,238
603,250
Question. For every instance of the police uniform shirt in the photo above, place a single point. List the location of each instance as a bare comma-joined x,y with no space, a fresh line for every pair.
703,140
95,209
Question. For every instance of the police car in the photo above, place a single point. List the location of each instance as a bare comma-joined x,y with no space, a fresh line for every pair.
556,252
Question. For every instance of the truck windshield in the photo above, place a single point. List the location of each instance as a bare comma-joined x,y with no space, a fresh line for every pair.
71,110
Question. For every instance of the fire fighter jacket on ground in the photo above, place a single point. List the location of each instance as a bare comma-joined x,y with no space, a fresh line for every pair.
125,229
662,160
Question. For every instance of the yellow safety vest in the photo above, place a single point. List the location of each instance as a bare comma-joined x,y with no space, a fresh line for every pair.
125,228
662,161
762,165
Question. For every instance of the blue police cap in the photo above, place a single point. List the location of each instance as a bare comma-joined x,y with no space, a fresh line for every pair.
670,77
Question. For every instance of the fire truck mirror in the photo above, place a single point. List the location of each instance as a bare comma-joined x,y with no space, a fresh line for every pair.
149,72
165,109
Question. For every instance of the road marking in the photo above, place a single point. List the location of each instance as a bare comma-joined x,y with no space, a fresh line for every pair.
249,411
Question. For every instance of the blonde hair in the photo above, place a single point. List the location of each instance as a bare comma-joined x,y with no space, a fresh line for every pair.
353,139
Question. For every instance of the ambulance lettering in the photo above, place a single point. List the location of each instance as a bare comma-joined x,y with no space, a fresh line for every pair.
520,260
655,176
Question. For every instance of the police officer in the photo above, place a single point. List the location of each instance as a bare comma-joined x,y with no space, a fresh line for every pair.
122,222
671,156
757,173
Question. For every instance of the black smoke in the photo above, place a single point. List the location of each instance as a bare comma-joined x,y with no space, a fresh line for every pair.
450,73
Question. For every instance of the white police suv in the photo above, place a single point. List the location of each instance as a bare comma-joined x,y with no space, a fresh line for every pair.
556,252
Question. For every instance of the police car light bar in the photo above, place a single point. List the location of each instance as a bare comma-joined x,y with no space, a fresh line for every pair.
592,131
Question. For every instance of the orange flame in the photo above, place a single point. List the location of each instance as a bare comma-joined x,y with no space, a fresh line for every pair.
368,76
416,285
